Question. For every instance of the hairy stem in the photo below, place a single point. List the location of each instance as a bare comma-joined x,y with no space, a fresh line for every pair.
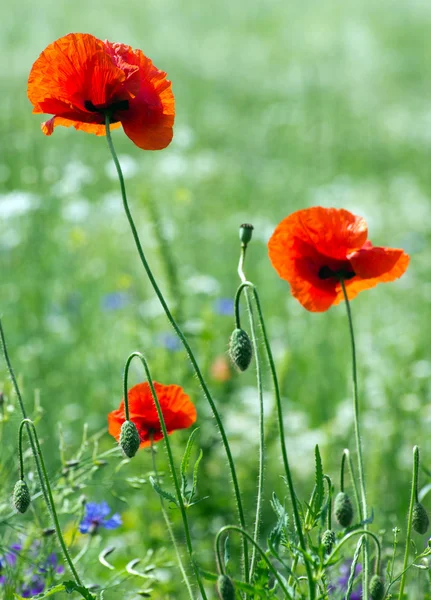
178,331
364,508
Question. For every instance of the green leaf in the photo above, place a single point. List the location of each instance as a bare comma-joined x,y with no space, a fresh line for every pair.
319,483
195,473
49,592
166,495
71,586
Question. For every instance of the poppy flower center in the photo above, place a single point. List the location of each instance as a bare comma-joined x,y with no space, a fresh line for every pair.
120,105
326,272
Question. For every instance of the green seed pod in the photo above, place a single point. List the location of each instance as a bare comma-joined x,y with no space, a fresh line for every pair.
240,349
377,588
21,496
420,521
328,540
129,439
225,588
343,509
245,233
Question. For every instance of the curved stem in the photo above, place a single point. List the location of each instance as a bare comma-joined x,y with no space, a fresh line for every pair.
345,539
51,500
261,411
169,526
21,459
364,510
170,459
23,412
413,499
184,341
297,519
258,548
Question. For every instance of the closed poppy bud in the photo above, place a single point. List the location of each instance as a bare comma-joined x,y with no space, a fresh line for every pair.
328,540
377,588
343,509
240,349
21,496
245,233
420,521
129,439
225,588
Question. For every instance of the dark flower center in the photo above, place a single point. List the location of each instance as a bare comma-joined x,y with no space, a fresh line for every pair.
328,273
120,105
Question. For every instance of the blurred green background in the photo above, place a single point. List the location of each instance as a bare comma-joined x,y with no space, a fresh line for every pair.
280,106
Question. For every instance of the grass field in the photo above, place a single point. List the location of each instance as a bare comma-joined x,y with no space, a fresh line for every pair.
280,106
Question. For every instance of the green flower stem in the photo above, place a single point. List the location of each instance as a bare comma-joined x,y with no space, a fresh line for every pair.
364,508
169,526
171,461
261,410
258,548
346,453
51,500
23,412
185,343
296,516
413,499
21,459
348,537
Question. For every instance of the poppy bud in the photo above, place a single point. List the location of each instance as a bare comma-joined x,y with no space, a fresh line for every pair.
328,540
225,588
420,519
21,496
377,588
245,233
343,509
129,439
240,349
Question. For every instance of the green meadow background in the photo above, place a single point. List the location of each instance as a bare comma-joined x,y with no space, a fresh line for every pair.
280,106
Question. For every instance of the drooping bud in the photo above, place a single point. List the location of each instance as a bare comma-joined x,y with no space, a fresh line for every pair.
377,588
343,509
328,540
225,588
21,496
420,520
245,233
240,349
129,439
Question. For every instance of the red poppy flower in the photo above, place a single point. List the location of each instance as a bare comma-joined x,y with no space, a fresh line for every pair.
79,78
314,248
178,411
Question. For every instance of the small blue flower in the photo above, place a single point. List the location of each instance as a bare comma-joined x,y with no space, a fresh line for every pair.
169,341
115,301
224,307
341,585
95,517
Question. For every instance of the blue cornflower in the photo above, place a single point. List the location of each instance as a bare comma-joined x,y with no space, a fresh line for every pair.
224,307
115,301
95,517
341,585
169,341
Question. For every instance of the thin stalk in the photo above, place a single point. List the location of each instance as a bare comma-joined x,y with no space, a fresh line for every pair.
169,526
413,499
258,548
171,462
330,492
23,412
185,343
296,516
364,511
260,483
51,500
346,453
